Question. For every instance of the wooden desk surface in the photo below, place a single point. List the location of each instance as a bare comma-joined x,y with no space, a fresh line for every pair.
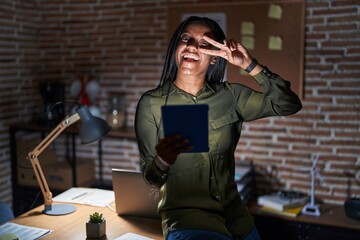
72,226
331,216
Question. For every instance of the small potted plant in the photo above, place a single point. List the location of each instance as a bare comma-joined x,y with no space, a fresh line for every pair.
96,227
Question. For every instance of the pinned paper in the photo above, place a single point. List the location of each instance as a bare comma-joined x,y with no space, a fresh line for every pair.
247,28
275,43
275,11
248,42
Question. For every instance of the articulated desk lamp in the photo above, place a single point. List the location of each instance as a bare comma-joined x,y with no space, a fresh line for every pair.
91,130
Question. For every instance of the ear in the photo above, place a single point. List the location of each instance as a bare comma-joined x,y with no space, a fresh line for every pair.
213,60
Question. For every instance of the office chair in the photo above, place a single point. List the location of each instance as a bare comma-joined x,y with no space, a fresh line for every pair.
6,213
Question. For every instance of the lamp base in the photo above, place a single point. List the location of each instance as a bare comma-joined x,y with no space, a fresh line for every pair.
311,210
59,209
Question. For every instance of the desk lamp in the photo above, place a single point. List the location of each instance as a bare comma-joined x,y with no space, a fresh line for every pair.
312,208
91,130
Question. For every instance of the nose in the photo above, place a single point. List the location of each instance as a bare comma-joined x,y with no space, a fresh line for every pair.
192,44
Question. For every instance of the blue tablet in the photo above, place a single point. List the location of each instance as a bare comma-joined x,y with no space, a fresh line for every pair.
189,121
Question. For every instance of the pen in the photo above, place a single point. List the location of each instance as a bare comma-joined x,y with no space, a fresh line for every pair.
79,196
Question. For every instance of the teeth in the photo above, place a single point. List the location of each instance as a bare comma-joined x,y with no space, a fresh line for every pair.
192,56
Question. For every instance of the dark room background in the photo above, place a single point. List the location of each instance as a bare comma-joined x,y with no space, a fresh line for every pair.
122,45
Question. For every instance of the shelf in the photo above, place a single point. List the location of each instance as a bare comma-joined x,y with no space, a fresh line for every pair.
126,132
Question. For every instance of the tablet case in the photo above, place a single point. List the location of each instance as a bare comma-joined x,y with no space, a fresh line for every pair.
189,121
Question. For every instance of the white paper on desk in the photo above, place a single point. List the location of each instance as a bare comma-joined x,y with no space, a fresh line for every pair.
87,196
23,232
132,236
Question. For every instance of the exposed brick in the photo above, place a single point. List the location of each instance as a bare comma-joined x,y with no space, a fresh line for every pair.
315,20
347,18
348,101
268,145
296,140
346,84
342,3
317,4
313,148
338,142
335,27
61,40
310,116
346,193
334,125
339,92
349,150
317,99
353,50
335,11
318,133
344,118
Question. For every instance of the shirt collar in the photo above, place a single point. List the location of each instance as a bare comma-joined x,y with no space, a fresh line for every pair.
169,87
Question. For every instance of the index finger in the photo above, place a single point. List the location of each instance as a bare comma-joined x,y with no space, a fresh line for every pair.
170,138
213,42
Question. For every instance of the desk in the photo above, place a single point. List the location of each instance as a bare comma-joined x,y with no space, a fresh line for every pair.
72,226
332,224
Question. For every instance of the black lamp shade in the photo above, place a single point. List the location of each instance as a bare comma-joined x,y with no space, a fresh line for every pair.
92,128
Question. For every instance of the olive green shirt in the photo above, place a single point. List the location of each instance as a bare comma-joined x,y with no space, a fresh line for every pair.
199,191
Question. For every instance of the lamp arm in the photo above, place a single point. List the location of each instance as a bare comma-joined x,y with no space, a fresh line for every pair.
33,155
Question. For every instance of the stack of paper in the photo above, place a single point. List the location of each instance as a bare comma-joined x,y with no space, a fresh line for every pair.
87,196
132,236
22,232
244,180
292,212
281,204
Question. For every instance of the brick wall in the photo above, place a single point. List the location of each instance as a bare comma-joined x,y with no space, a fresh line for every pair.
18,61
122,45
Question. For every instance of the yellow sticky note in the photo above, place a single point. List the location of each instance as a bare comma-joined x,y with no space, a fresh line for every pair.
275,43
247,28
275,11
248,42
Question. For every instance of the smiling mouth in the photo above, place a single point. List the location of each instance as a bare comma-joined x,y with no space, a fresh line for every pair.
191,57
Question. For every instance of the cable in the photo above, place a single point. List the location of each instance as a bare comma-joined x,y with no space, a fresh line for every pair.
35,200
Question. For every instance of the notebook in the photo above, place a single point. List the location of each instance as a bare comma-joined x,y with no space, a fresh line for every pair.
189,121
133,197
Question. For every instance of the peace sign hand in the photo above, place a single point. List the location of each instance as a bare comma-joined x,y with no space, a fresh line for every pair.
232,51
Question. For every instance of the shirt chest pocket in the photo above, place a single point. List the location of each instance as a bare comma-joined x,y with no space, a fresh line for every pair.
222,132
224,120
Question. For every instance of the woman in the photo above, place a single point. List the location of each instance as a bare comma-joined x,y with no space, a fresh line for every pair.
199,198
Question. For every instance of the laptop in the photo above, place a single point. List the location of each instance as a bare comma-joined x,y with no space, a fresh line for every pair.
133,197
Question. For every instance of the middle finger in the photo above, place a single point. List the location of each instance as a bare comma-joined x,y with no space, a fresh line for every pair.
213,42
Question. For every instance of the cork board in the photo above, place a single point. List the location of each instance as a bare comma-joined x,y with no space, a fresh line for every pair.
273,32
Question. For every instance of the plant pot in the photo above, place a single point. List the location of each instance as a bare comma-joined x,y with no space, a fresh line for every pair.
95,230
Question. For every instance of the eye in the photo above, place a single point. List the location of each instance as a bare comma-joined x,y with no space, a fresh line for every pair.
204,43
185,38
